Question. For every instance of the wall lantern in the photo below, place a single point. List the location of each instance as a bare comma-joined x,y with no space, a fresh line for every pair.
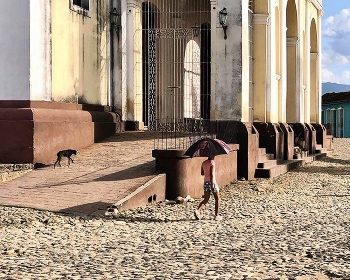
223,21
195,29
115,18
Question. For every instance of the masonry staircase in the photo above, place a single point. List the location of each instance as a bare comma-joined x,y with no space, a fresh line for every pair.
269,167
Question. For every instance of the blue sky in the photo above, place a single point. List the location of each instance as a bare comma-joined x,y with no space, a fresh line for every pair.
336,41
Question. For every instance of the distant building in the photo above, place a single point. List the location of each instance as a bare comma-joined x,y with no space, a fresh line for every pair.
336,113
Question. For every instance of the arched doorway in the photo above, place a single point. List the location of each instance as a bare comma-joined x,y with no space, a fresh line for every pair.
175,61
192,79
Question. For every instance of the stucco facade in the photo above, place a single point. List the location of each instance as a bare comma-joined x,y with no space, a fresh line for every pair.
336,113
268,68
164,62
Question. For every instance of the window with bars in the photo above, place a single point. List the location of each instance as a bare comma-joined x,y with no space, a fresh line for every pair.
80,6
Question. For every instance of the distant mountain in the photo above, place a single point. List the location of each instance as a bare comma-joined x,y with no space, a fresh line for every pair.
333,87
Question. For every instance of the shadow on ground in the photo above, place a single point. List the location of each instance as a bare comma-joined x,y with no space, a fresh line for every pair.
134,172
87,209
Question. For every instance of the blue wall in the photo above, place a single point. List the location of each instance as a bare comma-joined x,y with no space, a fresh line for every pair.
346,113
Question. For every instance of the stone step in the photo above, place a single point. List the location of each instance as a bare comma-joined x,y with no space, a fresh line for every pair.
270,163
318,146
265,157
262,151
286,166
321,150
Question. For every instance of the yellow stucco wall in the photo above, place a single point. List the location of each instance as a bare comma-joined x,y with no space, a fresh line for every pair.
259,74
79,53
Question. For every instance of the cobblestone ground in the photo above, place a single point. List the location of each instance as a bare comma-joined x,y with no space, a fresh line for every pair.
295,226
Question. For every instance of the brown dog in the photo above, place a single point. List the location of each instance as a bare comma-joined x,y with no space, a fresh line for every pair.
65,153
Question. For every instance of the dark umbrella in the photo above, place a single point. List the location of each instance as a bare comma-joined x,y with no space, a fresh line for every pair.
207,147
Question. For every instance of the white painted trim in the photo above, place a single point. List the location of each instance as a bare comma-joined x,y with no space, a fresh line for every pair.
40,50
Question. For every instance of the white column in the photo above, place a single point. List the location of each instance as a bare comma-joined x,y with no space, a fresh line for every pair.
40,50
271,98
293,97
282,115
262,76
306,72
246,96
314,88
299,66
319,65
130,17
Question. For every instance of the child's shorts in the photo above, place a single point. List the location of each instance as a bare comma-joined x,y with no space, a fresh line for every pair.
207,187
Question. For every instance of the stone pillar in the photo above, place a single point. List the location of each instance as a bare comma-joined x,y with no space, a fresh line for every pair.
260,66
282,114
306,70
293,85
314,87
40,50
247,35
319,69
117,36
132,108
271,91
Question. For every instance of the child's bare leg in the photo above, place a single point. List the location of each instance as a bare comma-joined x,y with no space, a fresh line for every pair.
217,202
204,201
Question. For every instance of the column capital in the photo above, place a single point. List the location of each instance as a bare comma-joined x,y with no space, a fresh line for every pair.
292,41
134,3
261,19
320,13
314,56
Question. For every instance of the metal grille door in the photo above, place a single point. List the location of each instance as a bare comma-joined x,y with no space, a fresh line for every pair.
175,63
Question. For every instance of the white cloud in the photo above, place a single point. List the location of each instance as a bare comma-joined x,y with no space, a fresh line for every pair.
337,29
331,58
329,32
329,76
337,25
345,78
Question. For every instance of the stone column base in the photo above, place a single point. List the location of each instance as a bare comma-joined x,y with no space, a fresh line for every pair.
34,131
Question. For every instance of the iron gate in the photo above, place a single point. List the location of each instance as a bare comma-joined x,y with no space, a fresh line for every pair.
176,65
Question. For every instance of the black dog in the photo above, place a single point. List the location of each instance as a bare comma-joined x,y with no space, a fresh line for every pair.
64,153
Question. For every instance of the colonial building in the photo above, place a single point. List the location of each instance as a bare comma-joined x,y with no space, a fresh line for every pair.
336,113
74,71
